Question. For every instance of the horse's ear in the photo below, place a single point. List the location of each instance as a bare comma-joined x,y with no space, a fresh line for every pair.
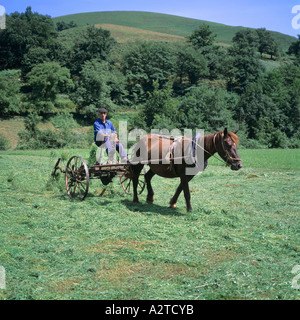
236,131
225,132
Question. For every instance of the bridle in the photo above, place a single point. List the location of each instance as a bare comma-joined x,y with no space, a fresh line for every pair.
229,159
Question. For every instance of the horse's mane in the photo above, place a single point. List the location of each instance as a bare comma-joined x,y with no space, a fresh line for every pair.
233,137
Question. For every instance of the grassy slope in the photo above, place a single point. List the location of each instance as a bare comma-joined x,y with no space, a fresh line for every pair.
9,129
162,23
241,240
124,34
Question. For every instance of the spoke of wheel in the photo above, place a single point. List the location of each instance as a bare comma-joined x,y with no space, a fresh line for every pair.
123,179
82,184
74,190
77,177
79,191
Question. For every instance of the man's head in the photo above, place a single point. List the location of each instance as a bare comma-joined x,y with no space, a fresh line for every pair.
102,113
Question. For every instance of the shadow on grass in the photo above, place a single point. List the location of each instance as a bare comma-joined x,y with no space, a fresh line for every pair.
153,208
109,198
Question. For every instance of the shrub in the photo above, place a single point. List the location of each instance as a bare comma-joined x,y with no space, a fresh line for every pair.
65,135
4,143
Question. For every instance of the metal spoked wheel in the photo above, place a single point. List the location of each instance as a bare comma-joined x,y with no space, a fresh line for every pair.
77,178
126,180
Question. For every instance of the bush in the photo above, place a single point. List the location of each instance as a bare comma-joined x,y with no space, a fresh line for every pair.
10,97
4,143
252,144
278,139
65,135
64,121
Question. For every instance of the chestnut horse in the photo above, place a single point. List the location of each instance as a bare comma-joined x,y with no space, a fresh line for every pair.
169,161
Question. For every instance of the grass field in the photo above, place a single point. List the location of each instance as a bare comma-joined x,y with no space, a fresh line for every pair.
240,241
163,23
124,34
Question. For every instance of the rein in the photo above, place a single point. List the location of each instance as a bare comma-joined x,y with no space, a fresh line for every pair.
228,157
211,154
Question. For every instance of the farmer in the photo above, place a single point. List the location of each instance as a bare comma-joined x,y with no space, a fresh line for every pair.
104,132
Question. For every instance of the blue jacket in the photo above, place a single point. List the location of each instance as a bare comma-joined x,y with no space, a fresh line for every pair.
106,128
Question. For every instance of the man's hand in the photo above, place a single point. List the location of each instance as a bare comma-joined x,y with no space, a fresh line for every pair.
114,137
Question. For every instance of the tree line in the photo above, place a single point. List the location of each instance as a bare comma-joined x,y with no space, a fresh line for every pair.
46,67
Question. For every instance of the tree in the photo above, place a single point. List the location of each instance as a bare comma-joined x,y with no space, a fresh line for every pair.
203,39
190,64
10,98
44,82
34,56
206,107
24,31
215,57
143,64
62,25
94,87
267,44
282,85
202,36
243,67
96,43
248,37
161,108
295,49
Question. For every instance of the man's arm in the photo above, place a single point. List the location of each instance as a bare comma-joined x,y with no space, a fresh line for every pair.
99,132
114,134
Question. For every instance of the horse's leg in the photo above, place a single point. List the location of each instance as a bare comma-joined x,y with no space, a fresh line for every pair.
186,190
174,199
136,169
148,176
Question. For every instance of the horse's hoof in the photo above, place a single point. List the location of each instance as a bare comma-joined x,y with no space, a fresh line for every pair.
150,201
172,206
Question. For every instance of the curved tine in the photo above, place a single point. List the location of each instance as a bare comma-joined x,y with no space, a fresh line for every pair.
128,186
142,187
126,178
141,183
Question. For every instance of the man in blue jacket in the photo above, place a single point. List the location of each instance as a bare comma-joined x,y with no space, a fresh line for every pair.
104,132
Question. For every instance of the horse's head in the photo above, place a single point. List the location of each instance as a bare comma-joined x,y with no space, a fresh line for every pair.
226,145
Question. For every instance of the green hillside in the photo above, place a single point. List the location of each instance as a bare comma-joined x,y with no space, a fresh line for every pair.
162,23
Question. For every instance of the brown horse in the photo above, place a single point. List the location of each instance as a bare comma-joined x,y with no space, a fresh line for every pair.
183,158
